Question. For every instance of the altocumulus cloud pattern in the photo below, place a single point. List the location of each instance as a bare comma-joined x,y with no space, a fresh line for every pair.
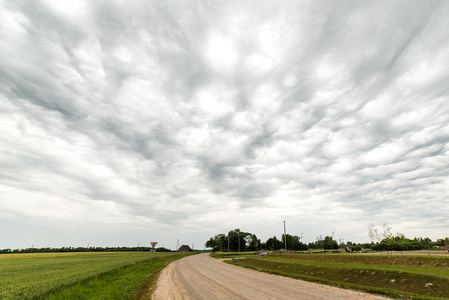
123,122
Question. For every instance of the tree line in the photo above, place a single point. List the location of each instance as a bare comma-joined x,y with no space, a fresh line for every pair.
82,249
381,240
237,240
387,241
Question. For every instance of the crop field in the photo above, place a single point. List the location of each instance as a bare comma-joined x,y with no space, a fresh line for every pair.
78,275
396,276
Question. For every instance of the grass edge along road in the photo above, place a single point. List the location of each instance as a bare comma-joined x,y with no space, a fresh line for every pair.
410,277
121,275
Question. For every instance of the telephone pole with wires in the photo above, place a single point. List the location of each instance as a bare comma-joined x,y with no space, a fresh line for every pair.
285,237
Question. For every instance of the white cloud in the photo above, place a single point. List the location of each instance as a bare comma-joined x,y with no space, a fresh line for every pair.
220,52
70,8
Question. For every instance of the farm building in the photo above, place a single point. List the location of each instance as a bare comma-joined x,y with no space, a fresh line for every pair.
184,248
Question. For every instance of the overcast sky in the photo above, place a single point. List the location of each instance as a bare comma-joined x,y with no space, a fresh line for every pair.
125,122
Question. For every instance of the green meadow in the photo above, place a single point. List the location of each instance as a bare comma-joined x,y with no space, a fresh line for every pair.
396,276
85,275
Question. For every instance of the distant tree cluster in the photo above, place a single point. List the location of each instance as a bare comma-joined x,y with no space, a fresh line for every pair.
386,241
326,243
238,240
293,243
381,240
443,242
82,249
400,243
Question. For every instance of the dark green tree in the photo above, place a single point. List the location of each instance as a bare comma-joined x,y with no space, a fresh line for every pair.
242,241
329,243
443,242
293,243
218,242
274,244
252,242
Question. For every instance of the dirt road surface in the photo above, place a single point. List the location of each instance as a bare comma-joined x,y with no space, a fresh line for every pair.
199,277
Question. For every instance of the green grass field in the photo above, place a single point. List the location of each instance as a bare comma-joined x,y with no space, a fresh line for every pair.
118,275
397,276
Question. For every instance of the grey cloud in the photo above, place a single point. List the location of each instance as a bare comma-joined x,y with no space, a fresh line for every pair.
338,106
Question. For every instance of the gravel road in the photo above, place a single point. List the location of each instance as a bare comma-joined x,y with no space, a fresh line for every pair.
199,277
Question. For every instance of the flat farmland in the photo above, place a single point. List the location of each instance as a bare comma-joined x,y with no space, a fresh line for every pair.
45,275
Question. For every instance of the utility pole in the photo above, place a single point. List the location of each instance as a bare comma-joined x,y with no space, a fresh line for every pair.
238,238
285,237
228,242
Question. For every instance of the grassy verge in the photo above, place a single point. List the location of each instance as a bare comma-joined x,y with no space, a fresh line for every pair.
232,254
416,265
411,277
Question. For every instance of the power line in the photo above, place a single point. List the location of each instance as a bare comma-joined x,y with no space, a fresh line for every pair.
266,228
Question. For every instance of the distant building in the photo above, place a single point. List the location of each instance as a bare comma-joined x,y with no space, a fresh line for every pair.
184,248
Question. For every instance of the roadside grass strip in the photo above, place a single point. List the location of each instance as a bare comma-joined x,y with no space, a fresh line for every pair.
122,275
399,281
394,260
231,254
429,270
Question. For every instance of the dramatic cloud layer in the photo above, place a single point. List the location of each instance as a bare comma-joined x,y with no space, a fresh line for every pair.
125,122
